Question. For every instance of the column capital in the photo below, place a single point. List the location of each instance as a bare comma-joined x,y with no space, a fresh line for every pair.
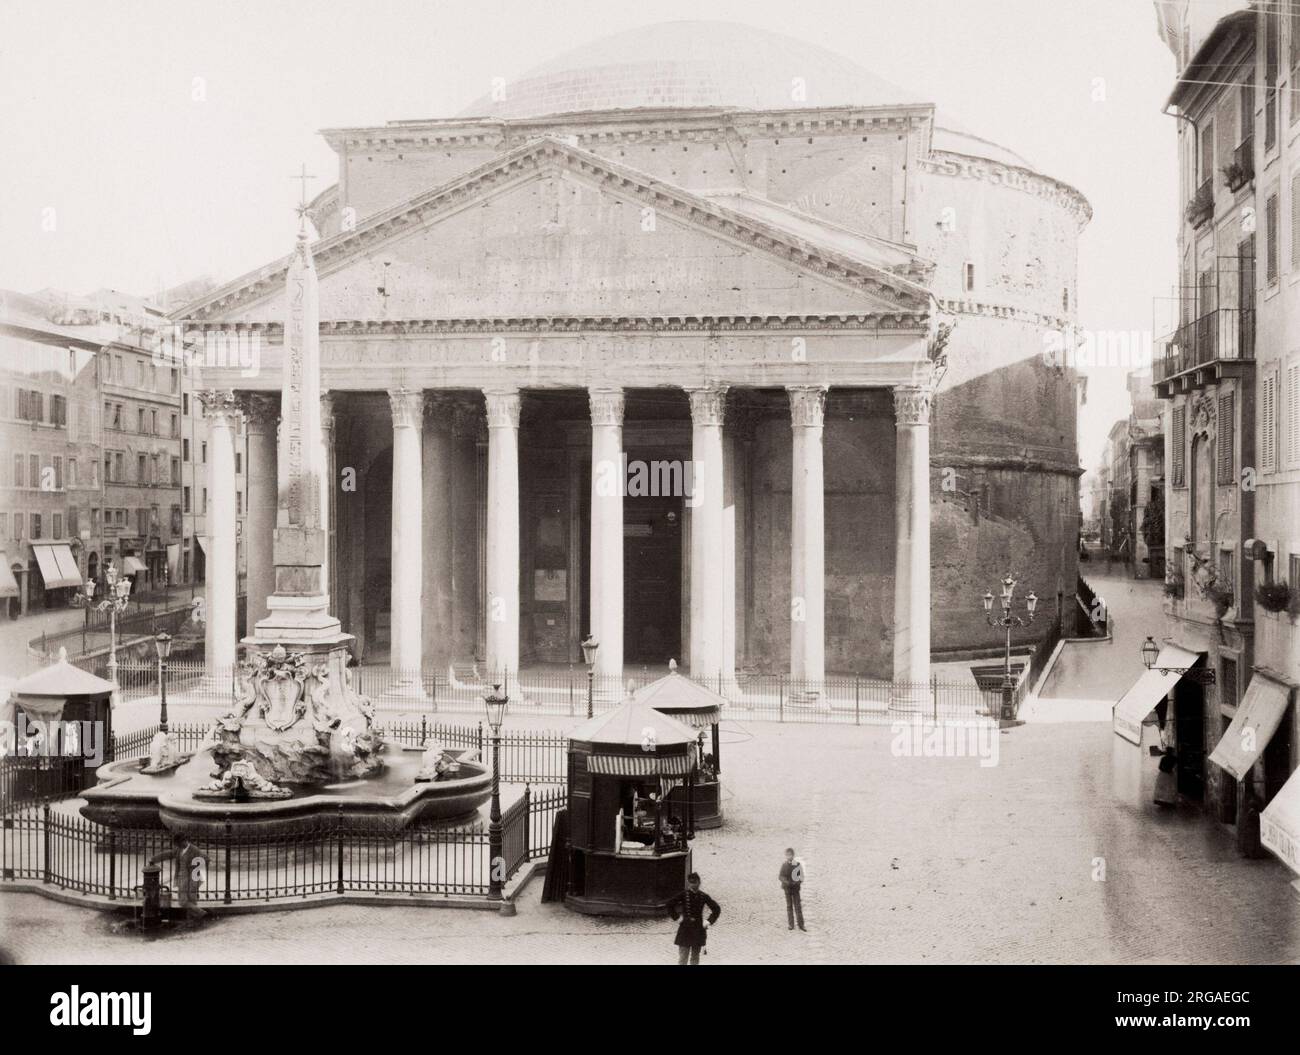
220,406
502,408
708,404
408,407
912,404
262,411
607,405
807,405
326,410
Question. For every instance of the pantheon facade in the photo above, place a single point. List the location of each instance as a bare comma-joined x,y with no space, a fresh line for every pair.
702,340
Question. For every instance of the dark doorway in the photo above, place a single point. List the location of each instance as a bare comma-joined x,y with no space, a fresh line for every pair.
1189,730
652,577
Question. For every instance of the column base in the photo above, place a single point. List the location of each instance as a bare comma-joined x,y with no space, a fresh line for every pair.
910,700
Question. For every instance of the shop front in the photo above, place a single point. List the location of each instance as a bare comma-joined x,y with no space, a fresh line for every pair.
1146,733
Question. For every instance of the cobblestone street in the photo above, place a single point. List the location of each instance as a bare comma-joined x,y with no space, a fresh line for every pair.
908,859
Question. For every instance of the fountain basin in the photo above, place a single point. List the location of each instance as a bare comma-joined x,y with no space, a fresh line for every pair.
125,797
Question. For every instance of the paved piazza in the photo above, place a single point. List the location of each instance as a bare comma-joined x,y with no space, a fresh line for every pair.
909,859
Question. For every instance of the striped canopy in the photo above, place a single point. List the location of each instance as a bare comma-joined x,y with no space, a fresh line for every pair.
646,764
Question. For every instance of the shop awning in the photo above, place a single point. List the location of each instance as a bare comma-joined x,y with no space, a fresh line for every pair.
132,566
1150,689
1279,824
8,584
1257,718
198,541
647,764
58,566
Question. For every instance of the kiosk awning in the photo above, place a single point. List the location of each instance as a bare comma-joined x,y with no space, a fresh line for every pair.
58,567
648,764
1253,726
132,566
8,584
1279,824
1150,689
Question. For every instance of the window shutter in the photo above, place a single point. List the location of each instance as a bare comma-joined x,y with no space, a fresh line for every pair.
1180,446
1226,433
1295,220
1270,221
1293,415
1268,422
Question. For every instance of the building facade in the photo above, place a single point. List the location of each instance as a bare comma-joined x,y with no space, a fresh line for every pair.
800,329
1232,482
102,458
50,493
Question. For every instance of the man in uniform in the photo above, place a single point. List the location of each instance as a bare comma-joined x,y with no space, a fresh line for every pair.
692,932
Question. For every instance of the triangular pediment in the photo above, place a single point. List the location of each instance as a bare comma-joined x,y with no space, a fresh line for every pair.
552,230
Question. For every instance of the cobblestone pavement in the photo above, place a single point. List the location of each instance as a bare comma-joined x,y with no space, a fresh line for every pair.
909,859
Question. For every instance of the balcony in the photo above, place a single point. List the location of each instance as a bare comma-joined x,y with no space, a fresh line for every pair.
1242,169
1217,344
1201,207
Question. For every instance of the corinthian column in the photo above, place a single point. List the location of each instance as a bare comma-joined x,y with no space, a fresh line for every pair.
502,629
221,638
912,542
408,545
263,495
607,479
708,552
328,580
807,540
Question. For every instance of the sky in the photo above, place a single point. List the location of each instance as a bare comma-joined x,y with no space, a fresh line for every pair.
147,143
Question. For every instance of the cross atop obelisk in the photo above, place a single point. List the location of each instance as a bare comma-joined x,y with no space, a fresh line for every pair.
303,176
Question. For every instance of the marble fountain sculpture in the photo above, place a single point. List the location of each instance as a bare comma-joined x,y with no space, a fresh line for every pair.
300,742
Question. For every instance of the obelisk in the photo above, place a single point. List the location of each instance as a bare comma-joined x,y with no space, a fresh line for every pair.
299,607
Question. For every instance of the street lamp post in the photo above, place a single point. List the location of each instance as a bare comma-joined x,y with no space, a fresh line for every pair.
496,702
163,643
1006,621
117,597
1151,653
589,647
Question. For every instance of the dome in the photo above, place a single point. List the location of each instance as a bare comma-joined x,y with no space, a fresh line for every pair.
690,64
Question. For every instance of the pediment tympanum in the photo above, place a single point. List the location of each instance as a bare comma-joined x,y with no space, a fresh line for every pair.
553,231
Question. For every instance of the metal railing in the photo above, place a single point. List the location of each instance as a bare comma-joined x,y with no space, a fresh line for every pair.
320,858
1224,333
410,695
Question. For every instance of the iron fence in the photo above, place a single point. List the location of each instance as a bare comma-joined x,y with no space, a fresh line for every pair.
416,695
321,857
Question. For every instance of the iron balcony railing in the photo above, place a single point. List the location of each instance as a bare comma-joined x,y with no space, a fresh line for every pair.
1222,334
1242,169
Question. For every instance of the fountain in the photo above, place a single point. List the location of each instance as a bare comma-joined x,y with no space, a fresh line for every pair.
300,741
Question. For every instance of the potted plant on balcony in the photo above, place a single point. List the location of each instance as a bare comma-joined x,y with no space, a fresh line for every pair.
1273,596
1236,175
1220,595
1201,207
1174,587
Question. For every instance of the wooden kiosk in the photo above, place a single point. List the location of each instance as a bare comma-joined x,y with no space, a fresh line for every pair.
699,709
629,844
66,733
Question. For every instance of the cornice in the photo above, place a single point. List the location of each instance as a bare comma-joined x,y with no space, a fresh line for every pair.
1004,311
886,322
1014,177
675,125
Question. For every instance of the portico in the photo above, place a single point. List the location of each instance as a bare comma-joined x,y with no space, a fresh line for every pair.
520,457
